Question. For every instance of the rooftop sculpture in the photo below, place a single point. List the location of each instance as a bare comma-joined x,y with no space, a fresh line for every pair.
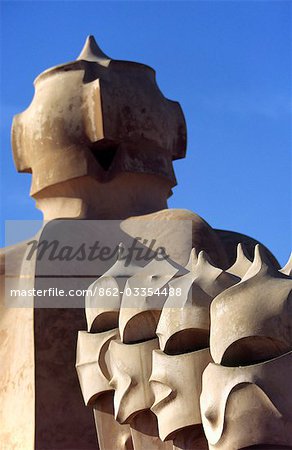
153,336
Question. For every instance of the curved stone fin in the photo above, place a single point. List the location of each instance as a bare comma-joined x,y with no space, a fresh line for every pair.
242,263
193,260
287,269
210,278
91,365
103,298
261,263
205,266
185,319
140,302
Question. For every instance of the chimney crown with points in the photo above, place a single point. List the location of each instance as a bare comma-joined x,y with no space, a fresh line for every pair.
97,117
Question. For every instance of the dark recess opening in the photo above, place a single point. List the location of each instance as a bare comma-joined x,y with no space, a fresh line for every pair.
104,155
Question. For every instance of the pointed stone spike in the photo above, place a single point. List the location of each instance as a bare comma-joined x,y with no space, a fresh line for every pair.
210,278
260,262
242,263
205,264
205,271
92,52
193,260
287,269
242,252
257,263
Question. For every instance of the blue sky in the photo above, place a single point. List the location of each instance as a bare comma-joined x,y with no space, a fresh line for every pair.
228,63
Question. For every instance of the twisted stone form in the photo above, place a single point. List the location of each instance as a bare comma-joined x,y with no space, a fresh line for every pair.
246,397
245,381
146,379
121,367
94,375
263,299
184,323
146,306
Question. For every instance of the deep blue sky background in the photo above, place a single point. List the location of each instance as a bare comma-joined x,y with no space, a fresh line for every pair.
228,63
